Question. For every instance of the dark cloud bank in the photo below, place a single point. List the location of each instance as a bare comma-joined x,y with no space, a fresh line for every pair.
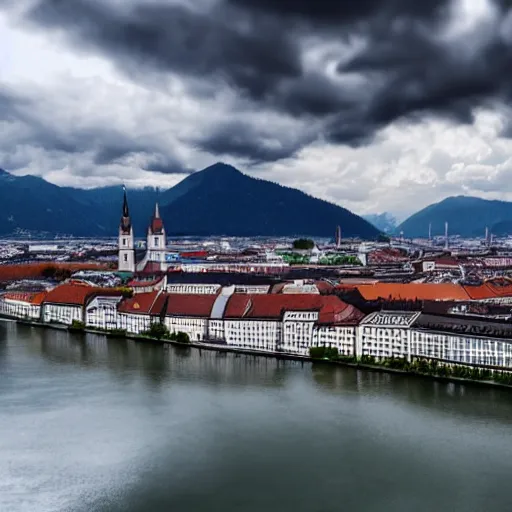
406,69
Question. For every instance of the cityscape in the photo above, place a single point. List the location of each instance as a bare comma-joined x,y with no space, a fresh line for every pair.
255,255
442,306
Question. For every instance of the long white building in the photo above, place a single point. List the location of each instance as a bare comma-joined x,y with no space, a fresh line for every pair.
277,323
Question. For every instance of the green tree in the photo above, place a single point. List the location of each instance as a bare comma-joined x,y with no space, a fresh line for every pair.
303,244
182,337
317,352
158,331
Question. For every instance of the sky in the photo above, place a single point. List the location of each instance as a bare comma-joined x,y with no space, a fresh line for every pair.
375,105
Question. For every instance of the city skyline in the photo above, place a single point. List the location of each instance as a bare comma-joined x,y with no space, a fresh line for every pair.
383,106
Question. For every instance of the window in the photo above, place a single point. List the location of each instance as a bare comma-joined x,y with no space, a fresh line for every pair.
125,257
156,241
124,241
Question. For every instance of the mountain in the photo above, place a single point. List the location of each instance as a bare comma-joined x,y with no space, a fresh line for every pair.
31,203
382,221
104,204
219,200
466,216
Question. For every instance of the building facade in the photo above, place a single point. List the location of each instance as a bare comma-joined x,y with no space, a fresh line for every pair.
386,334
461,339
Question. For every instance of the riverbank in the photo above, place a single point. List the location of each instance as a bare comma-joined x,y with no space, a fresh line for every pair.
222,347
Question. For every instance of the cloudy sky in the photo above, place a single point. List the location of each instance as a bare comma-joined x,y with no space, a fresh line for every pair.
376,105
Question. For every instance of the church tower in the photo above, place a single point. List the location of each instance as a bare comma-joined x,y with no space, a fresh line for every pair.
156,241
126,261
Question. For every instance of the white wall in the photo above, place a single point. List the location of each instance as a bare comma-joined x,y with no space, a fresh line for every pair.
101,313
19,309
196,328
63,314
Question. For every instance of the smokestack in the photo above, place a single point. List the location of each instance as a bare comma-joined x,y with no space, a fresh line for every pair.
486,235
446,235
430,232
338,237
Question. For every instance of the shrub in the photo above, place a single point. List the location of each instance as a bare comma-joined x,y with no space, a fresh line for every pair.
317,352
368,359
182,337
158,331
323,352
77,325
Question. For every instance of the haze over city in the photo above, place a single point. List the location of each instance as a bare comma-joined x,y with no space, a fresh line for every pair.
373,105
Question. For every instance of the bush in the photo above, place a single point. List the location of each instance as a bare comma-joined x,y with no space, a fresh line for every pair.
158,331
368,359
77,325
323,352
182,337
317,352
127,292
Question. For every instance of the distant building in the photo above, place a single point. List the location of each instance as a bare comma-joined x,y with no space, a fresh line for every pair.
155,243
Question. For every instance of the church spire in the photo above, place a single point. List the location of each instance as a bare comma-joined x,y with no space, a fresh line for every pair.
157,211
126,222
126,211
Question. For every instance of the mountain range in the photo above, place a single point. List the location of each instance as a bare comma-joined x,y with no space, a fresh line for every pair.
384,222
466,216
219,200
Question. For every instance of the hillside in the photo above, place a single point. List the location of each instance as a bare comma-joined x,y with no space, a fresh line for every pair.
31,203
218,200
467,216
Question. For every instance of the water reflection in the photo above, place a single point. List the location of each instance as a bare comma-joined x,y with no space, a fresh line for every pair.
158,364
467,400
96,424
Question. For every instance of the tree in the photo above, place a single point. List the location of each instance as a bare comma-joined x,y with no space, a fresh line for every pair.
158,331
303,244
182,337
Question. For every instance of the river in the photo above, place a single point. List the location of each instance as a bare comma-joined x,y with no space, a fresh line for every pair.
89,424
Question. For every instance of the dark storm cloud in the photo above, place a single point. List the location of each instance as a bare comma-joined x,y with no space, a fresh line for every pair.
255,46
164,164
334,12
243,140
172,38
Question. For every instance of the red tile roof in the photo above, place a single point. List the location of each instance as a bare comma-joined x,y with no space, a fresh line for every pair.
32,298
500,287
77,294
413,291
331,309
143,303
195,305
144,284
480,292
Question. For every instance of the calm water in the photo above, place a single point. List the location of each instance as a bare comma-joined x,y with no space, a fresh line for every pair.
93,425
